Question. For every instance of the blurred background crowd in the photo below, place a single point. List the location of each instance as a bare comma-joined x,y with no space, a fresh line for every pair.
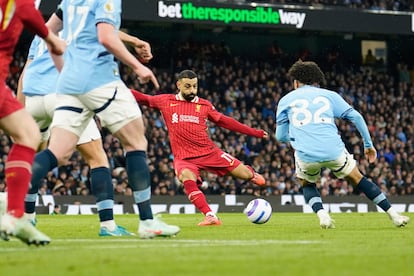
248,89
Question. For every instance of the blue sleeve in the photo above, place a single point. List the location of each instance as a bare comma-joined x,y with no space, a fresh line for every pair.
340,105
282,132
108,12
282,121
33,50
356,118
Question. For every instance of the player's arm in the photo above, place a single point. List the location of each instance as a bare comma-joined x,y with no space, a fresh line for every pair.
55,25
282,123
356,118
282,132
55,22
234,125
20,96
33,20
142,98
109,38
141,47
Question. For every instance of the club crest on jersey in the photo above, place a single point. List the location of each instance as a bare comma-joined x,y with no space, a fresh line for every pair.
198,108
174,118
109,6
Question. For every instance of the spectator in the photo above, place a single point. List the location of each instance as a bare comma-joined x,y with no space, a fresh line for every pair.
56,210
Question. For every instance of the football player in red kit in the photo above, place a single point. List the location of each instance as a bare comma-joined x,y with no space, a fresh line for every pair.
186,115
16,121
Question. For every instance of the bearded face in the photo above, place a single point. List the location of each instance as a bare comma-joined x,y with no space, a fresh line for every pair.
188,88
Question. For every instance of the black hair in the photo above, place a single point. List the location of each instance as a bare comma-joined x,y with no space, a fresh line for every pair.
307,72
187,74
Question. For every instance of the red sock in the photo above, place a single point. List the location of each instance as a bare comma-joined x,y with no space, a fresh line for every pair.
196,196
18,174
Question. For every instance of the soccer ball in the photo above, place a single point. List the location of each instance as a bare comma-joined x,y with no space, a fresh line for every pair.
258,211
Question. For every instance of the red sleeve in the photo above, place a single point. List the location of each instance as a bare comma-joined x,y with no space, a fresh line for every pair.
140,97
234,125
31,18
148,100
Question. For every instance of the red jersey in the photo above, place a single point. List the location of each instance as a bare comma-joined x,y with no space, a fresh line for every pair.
187,123
14,15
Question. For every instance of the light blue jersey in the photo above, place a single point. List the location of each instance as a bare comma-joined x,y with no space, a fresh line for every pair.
41,74
306,118
88,65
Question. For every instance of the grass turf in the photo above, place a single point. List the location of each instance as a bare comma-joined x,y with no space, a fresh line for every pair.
289,244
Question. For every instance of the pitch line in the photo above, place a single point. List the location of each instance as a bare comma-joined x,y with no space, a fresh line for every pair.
167,240
119,243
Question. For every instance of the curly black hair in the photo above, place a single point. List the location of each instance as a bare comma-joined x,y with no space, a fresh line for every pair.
307,72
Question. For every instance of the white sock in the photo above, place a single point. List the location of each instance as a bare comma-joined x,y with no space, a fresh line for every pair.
322,213
392,213
211,214
31,216
109,224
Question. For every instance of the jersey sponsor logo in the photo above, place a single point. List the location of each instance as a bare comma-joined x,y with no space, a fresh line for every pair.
173,104
175,118
189,118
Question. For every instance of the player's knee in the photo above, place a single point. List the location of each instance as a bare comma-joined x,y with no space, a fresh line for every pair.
354,177
304,182
28,139
97,163
135,144
95,159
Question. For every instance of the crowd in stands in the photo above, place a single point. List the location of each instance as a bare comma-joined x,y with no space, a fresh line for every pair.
248,90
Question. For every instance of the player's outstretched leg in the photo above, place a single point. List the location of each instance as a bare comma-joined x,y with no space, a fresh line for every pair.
22,229
257,178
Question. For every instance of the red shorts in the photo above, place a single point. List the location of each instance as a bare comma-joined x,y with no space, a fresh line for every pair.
8,103
217,162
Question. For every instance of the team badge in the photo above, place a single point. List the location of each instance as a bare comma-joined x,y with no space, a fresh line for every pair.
109,7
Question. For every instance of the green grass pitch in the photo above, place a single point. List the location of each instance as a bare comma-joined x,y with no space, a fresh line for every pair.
289,244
